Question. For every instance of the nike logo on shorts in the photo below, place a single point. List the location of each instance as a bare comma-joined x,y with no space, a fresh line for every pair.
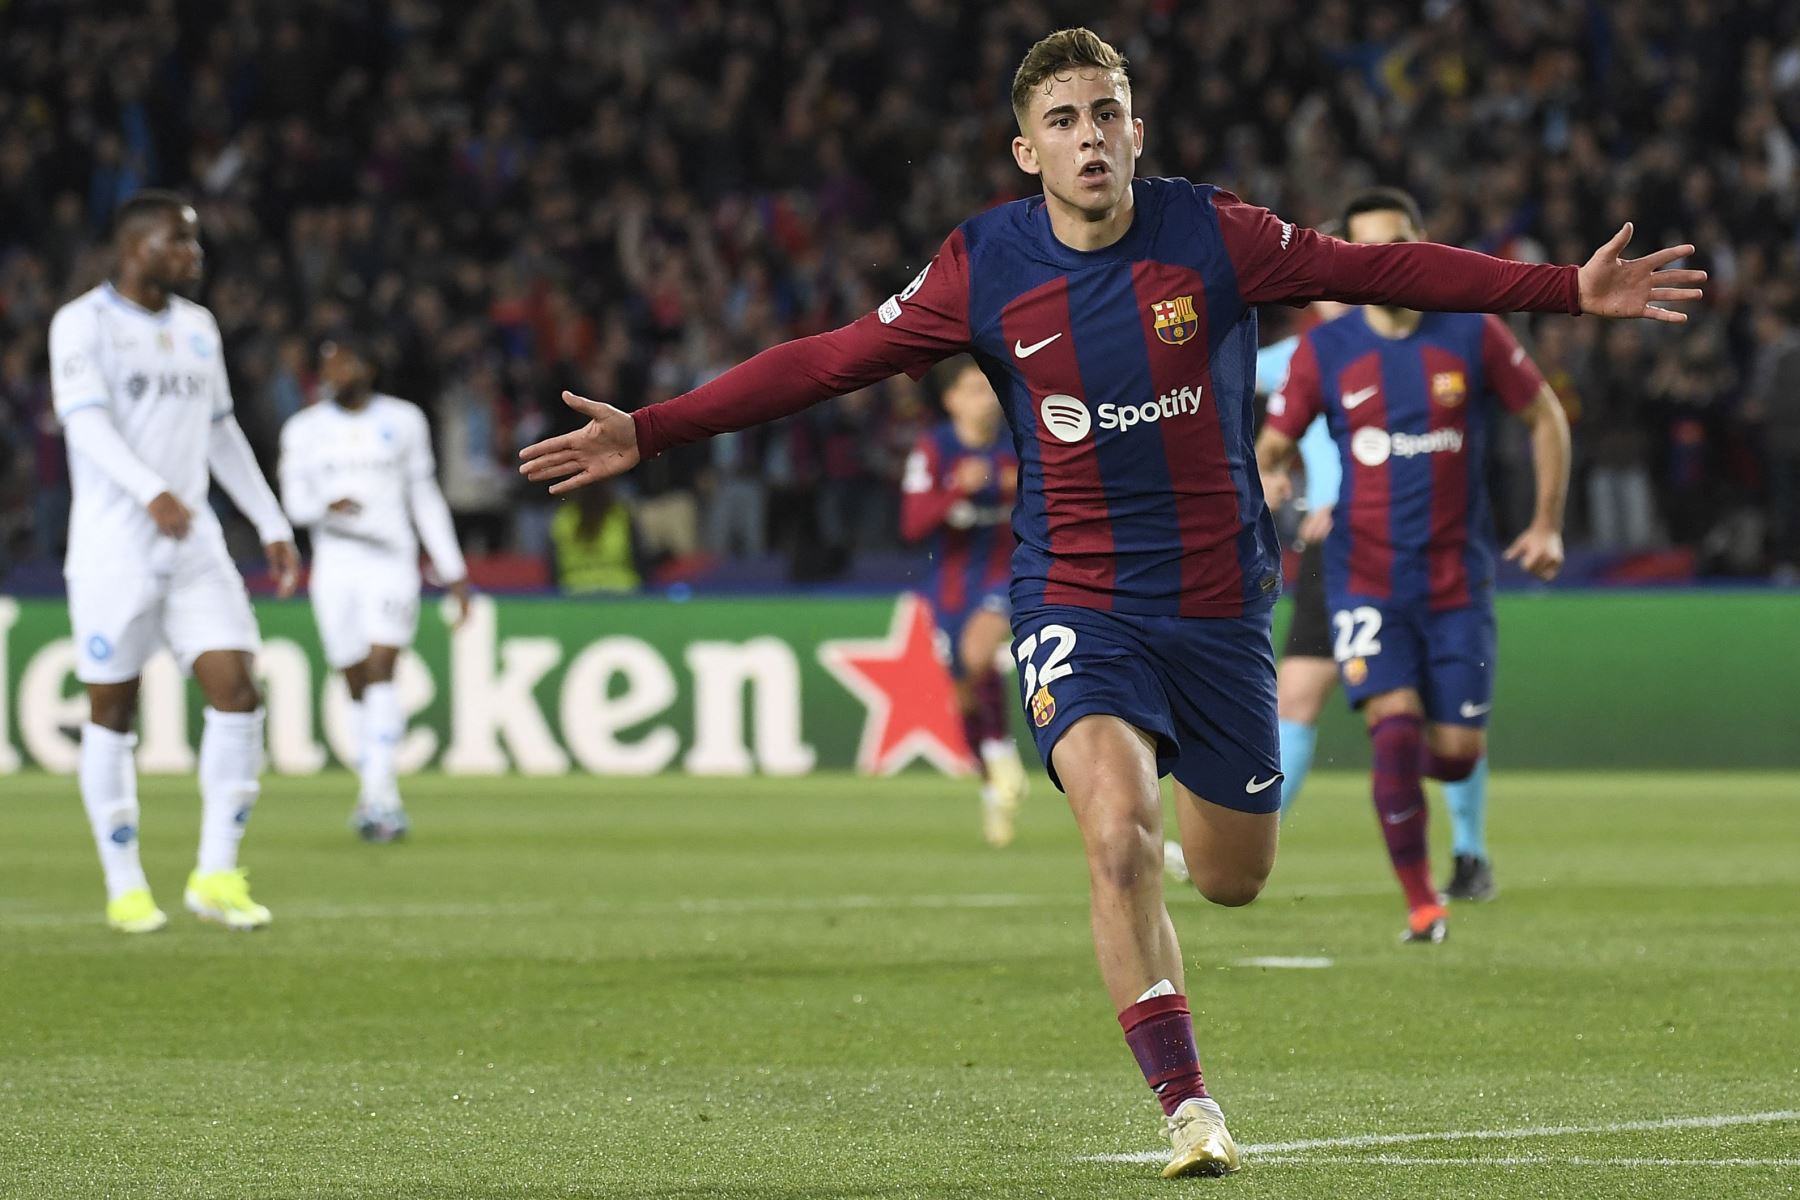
1254,787
1024,351
1471,710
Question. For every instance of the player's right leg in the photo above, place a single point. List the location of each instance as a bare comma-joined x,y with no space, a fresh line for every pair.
1102,725
1395,721
114,621
1109,770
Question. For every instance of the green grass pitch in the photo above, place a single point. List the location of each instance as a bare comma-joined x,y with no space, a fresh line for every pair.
829,988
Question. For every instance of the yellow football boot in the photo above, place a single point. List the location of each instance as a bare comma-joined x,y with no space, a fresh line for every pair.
1203,1145
224,896
135,912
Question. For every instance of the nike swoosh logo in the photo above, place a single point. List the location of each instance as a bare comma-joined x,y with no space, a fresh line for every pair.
1400,818
1254,787
1024,351
1352,399
1471,711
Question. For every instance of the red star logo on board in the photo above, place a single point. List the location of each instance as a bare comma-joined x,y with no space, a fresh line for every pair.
910,699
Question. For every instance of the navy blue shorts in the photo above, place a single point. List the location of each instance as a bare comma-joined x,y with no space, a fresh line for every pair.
1447,657
950,625
1203,687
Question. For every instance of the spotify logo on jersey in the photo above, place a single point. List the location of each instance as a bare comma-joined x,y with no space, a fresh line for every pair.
1066,417
1370,446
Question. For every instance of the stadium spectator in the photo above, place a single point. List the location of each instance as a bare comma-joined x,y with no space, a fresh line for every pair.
562,209
596,545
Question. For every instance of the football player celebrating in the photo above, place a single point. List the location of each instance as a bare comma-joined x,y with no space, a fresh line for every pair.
1117,319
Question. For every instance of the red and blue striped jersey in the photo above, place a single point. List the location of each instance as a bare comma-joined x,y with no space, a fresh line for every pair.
971,541
1412,418
1126,375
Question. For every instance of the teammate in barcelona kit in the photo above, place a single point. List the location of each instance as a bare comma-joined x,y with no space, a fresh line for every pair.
1115,319
139,381
357,470
1411,398
958,491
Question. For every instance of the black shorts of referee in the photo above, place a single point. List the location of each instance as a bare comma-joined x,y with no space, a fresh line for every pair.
1309,633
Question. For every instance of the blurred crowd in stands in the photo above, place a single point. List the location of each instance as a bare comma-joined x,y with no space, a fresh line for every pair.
624,199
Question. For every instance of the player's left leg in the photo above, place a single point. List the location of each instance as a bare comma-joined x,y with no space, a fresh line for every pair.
1396,722
380,816
208,623
987,721
1460,688
231,762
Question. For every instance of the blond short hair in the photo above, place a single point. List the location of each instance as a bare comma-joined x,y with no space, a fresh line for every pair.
1064,51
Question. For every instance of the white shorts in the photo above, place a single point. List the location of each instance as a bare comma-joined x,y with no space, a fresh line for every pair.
363,601
119,621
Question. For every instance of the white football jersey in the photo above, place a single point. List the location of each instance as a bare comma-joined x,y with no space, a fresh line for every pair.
371,456
161,377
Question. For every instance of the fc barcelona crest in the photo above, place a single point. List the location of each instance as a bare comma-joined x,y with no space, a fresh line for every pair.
1176,321
1449,388
1043,707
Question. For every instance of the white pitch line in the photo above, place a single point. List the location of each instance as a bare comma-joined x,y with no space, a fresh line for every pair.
1285,962
694,906
1359,1141
1286,1150
1511,1160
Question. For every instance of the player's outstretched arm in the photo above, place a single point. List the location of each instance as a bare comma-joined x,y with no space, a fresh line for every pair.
922,324
1277,261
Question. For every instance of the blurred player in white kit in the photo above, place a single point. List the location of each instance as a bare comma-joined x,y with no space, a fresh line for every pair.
140,387
357,470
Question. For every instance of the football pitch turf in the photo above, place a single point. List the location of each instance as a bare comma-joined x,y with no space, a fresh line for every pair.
829,988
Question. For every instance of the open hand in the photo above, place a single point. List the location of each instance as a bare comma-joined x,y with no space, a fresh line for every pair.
604,447
1620,287
171,515
1538,550
284,565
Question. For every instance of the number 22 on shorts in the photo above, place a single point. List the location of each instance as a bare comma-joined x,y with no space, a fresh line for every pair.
1358,633
1060,641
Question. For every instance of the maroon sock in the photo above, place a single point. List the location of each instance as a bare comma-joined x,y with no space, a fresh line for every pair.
974,730
995,707
1160,1033
1446,768
1400,804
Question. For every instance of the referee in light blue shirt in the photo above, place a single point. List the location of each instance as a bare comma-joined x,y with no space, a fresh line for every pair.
1308,670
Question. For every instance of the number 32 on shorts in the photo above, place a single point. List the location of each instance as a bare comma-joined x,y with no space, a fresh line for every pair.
1059,641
